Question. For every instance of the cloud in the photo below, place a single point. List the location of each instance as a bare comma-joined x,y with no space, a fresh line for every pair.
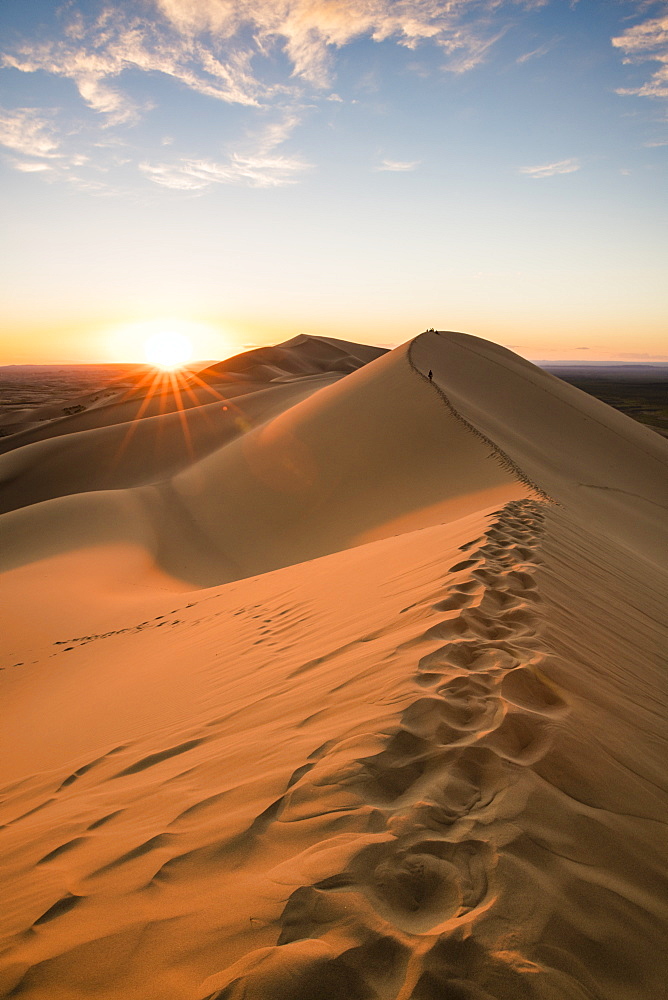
398,166
98,52
27,131
258,164
253,171
310,31
647,42
535,53
31,166
551,169
210,45
232,51
467,49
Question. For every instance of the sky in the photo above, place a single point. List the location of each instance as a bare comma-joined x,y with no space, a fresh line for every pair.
243,171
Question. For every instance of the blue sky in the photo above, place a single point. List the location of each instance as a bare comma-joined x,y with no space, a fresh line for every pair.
354,168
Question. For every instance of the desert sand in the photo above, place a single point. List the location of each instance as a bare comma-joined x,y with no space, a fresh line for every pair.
323,678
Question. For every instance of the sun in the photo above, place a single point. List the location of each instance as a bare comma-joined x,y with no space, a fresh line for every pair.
168,349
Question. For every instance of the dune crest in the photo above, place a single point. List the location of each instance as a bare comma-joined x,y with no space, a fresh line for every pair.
365,700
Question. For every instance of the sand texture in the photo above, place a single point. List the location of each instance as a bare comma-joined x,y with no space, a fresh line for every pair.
341,683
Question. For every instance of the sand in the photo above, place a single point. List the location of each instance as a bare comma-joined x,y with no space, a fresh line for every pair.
359,692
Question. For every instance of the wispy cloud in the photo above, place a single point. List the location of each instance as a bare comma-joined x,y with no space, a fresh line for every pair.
542,50
254,171
27,131
398,166
552,169
258,164
97,53
468,48
647,42
31,166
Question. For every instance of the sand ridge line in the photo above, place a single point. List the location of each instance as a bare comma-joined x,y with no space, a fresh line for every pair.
497,453
425,877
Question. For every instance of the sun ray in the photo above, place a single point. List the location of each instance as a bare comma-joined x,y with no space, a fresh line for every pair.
158,384
182,414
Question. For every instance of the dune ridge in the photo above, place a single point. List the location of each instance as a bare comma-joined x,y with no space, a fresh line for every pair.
504,460
367,703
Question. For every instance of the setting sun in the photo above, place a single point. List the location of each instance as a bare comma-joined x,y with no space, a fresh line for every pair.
168,349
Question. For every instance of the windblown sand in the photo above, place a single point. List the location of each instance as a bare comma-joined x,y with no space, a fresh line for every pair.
336,682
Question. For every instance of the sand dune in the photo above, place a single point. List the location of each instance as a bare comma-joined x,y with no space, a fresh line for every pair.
150,394
365,699
132,453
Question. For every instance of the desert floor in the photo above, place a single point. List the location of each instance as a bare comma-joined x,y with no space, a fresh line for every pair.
327,677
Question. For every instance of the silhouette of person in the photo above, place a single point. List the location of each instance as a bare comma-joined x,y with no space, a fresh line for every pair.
431,374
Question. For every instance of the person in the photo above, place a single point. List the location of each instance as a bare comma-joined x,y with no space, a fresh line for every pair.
431,374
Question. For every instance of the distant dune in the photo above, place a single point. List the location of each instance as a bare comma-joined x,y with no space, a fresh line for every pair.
358,685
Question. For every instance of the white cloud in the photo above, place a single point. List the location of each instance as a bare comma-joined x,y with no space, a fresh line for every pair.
99,52
647,42
27,131
398,166
552,169
253,171
31,166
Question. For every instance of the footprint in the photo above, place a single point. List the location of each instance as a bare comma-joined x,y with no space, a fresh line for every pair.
467,588
521,738
453,603
466,564
161,840
157,758
105,819
428,679
63,849
494,601
61,906
450,629
471,655
526,689
432,719
469,545
78,773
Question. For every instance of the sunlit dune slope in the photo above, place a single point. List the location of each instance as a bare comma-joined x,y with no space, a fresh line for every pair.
367,456
303,355
577,448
